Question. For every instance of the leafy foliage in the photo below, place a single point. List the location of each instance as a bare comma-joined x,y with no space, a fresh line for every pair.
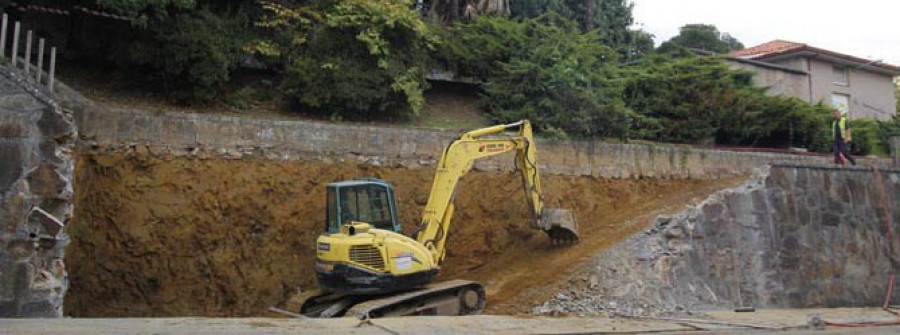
360,58
552,61
448,11
640,44
475,49
142,12
289,29
551,72
700,99
885,131
866,139
193,52
548,70
611,19
701,36
682,100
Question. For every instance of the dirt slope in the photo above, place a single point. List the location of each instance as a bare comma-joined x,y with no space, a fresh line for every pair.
217,237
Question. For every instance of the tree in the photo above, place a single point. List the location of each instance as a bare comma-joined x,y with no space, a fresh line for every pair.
142,12
733,43
192,52
611,18
701,36
700,99
190,47
557,76
351,58
449,11
640,44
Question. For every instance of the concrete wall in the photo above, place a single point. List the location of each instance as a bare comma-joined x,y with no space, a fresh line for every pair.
780,82
36,141
202,135
871,94
790,237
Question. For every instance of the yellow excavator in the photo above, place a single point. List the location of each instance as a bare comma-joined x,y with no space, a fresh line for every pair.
366,268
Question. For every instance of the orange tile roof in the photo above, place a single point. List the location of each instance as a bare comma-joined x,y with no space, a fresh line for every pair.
776,46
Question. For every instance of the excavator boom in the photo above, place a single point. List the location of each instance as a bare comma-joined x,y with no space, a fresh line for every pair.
457,160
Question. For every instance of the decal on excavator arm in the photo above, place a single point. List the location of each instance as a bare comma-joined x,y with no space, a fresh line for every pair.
492,147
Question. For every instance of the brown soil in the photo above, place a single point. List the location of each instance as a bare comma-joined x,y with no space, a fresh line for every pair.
216,237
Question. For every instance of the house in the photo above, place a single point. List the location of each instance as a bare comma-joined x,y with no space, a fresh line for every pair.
863,87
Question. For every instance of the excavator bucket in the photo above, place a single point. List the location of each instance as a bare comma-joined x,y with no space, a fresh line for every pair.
560,225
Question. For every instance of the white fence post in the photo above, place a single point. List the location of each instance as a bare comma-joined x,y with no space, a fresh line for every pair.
15,48
40,64
27,52
3,36
52,68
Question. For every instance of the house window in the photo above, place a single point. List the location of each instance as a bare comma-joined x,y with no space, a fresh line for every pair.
841,75
841,102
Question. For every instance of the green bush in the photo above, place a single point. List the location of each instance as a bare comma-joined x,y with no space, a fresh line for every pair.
359,59
776,122
476,49
683,99
890,128
548,70
865,138
192,52
555,75
871,137
691,99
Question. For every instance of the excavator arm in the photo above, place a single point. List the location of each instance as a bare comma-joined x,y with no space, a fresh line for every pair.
457,160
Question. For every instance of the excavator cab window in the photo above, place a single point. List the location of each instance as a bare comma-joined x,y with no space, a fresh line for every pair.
364,201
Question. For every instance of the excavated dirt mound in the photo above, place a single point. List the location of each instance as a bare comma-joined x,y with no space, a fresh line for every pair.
217,237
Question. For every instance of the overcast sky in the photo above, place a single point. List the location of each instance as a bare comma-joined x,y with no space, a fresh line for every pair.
862,28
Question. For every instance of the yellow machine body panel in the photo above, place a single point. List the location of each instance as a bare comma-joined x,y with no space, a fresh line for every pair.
365,260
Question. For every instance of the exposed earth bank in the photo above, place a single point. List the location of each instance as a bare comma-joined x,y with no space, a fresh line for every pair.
165,236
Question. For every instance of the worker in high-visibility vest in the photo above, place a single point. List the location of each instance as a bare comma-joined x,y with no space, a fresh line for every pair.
840,128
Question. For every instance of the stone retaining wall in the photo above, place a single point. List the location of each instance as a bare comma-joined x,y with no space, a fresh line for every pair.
895,150
36,142
183,134
792,236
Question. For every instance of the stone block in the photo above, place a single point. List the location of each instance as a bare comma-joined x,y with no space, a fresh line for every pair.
19,101
53,124
9,308
16,124
11,162
40,308
47,182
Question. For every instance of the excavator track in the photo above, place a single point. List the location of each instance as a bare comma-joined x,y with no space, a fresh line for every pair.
450,298
455,297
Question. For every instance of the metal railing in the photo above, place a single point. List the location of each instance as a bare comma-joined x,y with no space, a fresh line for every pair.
24,62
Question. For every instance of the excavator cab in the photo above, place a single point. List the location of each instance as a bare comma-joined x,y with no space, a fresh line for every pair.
366,200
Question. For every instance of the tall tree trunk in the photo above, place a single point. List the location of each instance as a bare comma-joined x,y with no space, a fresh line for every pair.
454,10
589,16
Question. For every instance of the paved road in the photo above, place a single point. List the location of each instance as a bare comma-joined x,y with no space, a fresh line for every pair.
719,322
